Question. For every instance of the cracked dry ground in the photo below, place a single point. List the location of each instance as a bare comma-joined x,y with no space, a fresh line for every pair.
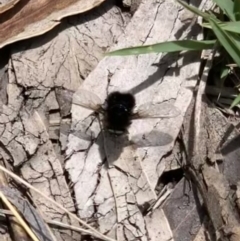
105,181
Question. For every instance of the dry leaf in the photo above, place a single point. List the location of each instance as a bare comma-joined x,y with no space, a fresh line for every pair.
8,5
28,19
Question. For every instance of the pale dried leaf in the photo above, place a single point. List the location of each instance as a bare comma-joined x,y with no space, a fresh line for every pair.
5,6
132,173
28,19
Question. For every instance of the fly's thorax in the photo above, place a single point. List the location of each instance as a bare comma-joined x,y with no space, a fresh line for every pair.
125,99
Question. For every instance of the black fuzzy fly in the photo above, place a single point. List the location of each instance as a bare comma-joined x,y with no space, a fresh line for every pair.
119,111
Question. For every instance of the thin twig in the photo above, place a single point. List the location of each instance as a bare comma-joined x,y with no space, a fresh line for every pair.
4,212
95,232
18,217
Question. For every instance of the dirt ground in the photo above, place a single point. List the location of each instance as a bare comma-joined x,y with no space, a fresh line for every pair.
179,183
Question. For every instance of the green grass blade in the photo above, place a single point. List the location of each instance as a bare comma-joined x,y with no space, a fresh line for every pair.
236,39
223,76
224,73
236,9
194,9
227,7
226,41
235,102
165,47
233,27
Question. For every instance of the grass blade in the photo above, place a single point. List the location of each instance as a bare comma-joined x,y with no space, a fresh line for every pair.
235,102
236,10
227,7
165,47
194,9
233,27
226,41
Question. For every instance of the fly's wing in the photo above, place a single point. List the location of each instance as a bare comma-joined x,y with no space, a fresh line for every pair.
87,100
156,110
83,98
64,99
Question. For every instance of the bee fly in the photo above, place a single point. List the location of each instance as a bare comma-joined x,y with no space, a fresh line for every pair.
118,112
118,109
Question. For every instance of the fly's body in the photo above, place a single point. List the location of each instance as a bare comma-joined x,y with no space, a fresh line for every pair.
118,112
